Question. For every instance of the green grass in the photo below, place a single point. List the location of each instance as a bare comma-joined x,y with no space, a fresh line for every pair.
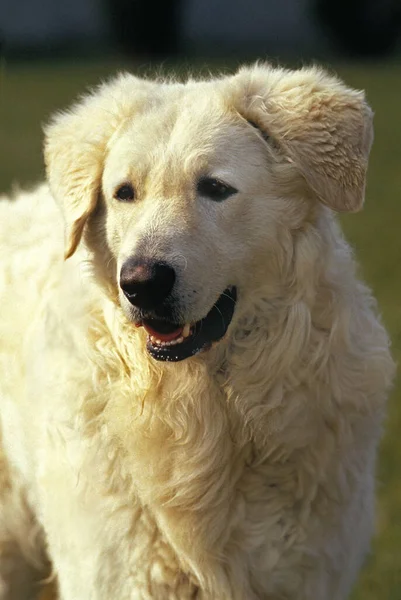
28,94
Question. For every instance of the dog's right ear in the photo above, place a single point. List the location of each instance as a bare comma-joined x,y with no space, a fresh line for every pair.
76,144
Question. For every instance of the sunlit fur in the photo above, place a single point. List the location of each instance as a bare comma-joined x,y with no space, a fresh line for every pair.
248,471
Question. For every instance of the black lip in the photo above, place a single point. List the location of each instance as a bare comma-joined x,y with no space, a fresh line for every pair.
206,331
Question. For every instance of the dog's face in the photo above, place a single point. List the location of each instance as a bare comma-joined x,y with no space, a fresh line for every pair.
194,190
186,218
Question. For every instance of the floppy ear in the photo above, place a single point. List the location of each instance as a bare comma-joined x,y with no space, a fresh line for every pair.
76,144
322,127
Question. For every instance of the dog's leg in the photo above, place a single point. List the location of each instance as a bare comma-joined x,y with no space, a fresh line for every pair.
20,566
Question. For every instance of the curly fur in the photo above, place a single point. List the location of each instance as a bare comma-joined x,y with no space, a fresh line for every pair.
247,471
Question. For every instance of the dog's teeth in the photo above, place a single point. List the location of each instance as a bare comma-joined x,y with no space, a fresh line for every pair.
186,331
156,342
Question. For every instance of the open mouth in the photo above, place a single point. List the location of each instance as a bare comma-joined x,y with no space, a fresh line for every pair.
174,342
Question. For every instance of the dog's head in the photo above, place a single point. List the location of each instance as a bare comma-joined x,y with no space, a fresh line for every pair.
184,191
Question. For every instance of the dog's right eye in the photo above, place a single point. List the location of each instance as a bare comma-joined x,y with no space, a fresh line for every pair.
125,193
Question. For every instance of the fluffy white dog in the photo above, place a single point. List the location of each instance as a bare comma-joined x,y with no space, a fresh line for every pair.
191,404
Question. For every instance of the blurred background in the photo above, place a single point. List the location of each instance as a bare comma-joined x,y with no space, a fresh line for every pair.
51,51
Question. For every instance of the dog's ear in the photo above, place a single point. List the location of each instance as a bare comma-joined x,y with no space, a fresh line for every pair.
322,127
76,144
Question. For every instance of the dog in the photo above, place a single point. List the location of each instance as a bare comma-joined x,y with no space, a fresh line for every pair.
191,403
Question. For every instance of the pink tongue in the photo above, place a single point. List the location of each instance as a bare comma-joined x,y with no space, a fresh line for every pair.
163,337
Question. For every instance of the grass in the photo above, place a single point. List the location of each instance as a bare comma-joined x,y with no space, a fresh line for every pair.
28,94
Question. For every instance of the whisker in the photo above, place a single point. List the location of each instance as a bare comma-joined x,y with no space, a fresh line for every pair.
221,314
198,332
229,297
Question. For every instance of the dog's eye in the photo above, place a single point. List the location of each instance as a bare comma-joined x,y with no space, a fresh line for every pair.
125,193
214,189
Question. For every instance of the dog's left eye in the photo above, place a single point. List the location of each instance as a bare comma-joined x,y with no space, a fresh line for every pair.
214,189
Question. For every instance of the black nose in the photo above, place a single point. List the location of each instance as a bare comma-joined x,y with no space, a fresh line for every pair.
146,284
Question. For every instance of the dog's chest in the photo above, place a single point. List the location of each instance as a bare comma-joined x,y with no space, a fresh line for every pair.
90,508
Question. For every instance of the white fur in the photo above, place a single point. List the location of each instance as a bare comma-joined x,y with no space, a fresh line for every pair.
244,472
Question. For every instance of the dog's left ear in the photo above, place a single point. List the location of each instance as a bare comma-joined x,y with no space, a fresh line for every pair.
317,123
76,143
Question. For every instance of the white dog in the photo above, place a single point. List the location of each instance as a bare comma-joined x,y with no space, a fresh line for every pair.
191,404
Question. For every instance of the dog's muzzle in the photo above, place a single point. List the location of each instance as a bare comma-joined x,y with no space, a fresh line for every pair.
148,286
